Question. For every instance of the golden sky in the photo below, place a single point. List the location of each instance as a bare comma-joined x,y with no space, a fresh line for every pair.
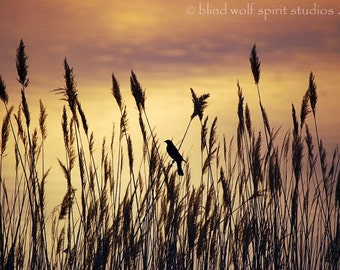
172,46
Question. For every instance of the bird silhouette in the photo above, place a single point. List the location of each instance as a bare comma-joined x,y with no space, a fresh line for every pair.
175,155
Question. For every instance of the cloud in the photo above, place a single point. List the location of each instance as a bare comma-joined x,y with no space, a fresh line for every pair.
156,35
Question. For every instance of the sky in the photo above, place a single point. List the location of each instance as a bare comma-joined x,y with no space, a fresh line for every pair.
173,46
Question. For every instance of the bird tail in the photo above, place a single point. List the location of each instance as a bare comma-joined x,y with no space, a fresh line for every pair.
179,168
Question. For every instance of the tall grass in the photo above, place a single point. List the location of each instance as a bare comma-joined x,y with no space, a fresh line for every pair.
256,205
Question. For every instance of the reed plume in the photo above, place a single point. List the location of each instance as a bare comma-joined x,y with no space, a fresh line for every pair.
116,92
255,65
5,130
137,91
3,93
69,92
305,109
200,104
21,64
248,120
42,120
313,96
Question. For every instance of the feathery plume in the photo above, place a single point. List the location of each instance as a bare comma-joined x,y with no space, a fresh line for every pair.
64,124
240,128
116,92
274,173
313,96
67,203
34,143
305,110
200,104
3,93
137,91
25,109
69,92
226,190
256,163
255,64
42,120
310,147
130,152
124,121
295,122
5,130
248,119
297,151
204,132
22,65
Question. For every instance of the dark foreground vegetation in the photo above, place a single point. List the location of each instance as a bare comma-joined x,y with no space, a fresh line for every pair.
260,202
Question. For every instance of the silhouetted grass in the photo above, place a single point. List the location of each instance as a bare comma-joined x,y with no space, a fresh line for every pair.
256,205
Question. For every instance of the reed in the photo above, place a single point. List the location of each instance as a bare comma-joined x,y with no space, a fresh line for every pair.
259,203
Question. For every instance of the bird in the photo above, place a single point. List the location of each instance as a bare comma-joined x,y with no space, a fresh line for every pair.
175,155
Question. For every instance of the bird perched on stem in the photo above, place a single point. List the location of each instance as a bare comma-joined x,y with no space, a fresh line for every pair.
175,155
